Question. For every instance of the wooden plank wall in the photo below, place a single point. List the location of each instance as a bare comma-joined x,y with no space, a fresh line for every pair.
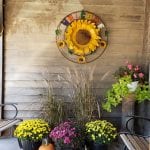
143,109
148,50
1,54
146,37
30,48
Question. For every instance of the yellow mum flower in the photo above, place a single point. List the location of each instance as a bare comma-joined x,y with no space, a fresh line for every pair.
101,131
31,129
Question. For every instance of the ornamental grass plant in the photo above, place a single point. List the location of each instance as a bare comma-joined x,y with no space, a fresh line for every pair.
52,107
100,131
32,130
83,96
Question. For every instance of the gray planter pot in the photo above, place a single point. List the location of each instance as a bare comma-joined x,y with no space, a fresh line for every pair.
128,105
29,145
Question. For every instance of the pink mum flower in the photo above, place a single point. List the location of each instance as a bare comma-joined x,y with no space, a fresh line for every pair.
67,140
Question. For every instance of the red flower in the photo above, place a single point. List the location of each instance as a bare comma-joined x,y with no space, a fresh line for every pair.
129,66
132,70
141,75
137,68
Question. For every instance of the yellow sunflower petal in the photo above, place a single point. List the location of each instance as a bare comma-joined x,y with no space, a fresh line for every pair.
84,30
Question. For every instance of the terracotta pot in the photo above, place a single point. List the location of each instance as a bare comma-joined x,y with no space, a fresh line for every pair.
49,146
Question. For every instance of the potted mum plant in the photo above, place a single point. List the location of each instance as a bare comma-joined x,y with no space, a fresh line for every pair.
30,133
68,135
99,134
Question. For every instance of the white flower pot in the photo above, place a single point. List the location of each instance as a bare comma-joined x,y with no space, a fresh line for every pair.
132,86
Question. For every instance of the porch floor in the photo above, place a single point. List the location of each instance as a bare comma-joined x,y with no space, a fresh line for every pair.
12,144
9,144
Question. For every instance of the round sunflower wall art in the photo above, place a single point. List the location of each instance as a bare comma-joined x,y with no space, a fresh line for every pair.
81,37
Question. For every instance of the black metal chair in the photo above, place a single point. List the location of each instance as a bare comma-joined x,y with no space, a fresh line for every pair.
8,123
134,141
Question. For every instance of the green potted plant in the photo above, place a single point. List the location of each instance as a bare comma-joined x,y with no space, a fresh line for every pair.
31,132
142,92
124,87
99,134
114,96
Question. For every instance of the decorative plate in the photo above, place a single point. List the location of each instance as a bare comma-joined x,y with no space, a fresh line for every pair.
81,37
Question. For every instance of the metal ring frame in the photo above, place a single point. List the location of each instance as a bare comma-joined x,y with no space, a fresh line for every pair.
66,56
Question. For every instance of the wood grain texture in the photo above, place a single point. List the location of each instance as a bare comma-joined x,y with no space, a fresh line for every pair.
1,55
31,53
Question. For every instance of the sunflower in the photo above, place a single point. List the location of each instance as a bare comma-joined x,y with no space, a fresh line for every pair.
61,44
103,44
81,59
82,37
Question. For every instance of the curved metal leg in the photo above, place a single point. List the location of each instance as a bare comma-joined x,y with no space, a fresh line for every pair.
125,148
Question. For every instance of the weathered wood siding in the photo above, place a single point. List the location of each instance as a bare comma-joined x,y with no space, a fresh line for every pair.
148,49
30,48
1,54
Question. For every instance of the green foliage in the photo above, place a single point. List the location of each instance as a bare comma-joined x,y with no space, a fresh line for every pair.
119,90
115,95
142,93
58,31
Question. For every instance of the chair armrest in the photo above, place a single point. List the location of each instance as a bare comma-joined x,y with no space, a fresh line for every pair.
132,117
14,106
146,136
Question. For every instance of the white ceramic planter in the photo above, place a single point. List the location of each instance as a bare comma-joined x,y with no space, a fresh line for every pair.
132,86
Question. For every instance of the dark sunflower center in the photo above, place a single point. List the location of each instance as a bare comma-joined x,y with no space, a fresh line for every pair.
83,37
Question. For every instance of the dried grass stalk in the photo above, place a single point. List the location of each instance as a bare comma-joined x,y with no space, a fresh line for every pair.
83,96
53,108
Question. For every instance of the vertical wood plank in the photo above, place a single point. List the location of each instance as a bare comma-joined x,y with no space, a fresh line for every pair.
146,34
1,51
149,75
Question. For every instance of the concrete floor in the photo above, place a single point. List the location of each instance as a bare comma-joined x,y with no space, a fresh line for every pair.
9,144
12,144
